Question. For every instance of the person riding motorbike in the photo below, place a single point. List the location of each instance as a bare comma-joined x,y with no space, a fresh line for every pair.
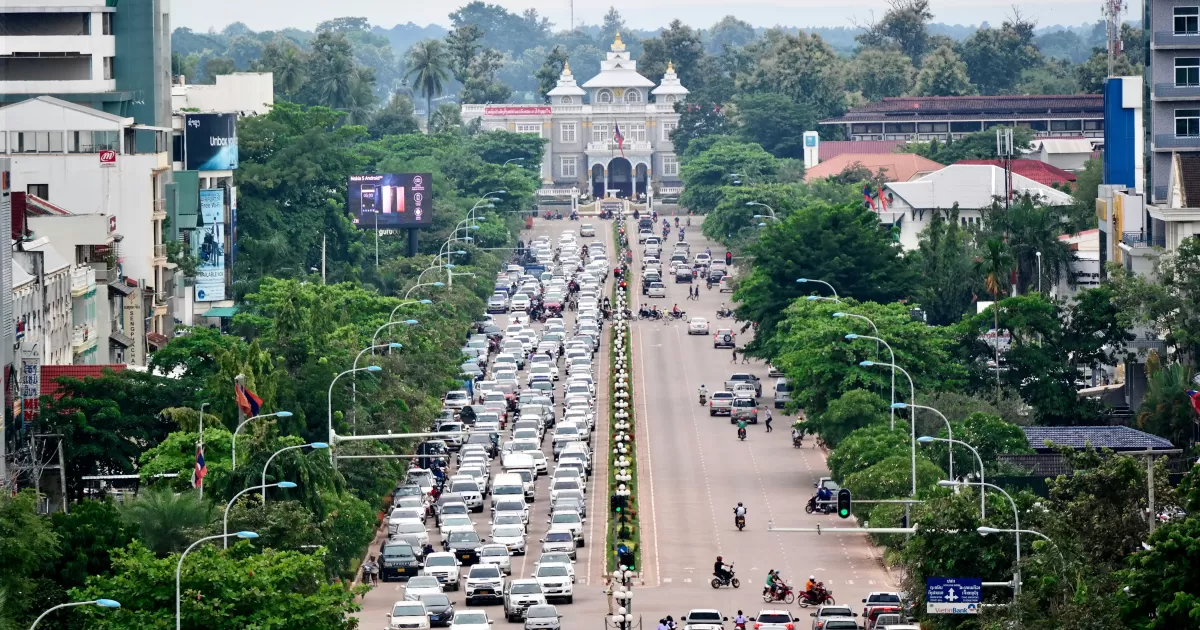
676,221
824,494
675,310
739,621
797,435
770,585
703,394
810,585
720,571
742,429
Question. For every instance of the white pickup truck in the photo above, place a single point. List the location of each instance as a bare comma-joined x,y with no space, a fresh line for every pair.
720,403
743,377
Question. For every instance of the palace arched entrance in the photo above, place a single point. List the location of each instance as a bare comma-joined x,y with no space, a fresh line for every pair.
598,181
640,178
620,178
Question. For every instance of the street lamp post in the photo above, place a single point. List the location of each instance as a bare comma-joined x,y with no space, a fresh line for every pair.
375,336
279,414
354,380
769,209
438,284
950,483
406,303
369,368
315,445
225,518
925,439
179,566
878,340
520,159
912,427
984,531
103,603
949,433
835,293
1039,261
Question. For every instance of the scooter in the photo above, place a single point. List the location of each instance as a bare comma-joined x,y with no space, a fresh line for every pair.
812,506
742,433
819,597
718,582
703,399
798,442
724,313
740,521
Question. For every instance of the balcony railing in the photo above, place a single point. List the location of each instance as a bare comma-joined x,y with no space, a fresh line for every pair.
1141,239
160,210
83,337
160,251
83,279
1170,39
1171,90
631,147
1172,141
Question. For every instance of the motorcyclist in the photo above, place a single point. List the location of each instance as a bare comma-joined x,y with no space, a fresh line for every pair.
720,571
824,494
741,427
797,434
676,221
770,585
703,394
675,310
810,586
739,621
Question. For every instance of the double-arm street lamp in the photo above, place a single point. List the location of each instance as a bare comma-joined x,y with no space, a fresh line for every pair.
951,483
103,603
225,518
769,210
805,280
179,567
369,368
314,445
439,284
277,414
927,439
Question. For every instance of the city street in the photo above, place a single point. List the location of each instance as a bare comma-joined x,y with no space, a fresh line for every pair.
692,471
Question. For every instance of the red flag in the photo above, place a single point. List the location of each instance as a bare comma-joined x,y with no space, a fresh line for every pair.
882,199
247,401
619,138
868,198
201,468
1195,397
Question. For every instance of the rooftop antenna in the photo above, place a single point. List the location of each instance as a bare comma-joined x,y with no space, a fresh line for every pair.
1112,17
571,23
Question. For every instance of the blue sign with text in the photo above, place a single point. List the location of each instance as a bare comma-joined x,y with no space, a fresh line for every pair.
953,596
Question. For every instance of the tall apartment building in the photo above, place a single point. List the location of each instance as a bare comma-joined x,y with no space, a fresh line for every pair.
1173,78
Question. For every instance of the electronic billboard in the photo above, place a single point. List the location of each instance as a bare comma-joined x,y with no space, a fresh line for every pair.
394,200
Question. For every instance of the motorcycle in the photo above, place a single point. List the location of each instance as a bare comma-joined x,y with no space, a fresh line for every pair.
781,593
812,506
724,313
740,521
798,442
676,316
574,216
819,597
703,399
742,433
549,215
718,581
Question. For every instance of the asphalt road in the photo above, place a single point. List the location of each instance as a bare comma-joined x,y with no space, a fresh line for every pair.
692,471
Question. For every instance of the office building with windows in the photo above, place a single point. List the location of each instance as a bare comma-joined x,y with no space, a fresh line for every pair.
1173,76
585,152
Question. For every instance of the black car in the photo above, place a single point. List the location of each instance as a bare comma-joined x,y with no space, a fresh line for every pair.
398,560
490,441
464,545
440,608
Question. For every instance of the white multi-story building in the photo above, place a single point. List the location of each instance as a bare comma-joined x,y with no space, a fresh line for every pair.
584,152
91,163
45,300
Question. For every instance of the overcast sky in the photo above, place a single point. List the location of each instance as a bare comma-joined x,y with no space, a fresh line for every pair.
276,14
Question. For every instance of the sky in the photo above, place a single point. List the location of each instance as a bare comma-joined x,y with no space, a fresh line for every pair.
200,15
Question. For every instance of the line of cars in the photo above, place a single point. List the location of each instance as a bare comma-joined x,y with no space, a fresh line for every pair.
882,610
529,397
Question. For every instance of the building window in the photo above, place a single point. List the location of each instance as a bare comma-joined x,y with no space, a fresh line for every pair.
600,132
636,132
39,190
670,98
1187,71
91,141
1066,125
633,96
667,128
529,128
566,132
604,96
670,166
1187,20
1093,125
108,67
569,168
106,19
37,142
1187,123
566,100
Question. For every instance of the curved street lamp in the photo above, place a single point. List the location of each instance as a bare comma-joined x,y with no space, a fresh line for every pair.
926,439
179,566
329,418
769,209
912,419
314,445
406,303
835,293
103,603
950,483
225,518
878,340
277,414
438,284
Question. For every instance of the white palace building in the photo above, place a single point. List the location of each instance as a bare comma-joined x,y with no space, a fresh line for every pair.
581,124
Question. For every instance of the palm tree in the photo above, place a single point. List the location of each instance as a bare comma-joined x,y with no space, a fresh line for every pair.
1166,409
290,71
429,67
994,265
445,118
336,84
165,519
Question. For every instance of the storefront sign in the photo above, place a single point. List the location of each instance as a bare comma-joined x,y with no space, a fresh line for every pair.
518,110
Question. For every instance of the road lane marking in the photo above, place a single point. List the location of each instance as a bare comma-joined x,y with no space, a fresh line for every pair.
645,420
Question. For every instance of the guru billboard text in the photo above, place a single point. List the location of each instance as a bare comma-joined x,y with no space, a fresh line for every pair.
393,200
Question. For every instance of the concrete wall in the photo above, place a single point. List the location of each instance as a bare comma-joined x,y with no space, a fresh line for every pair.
247,93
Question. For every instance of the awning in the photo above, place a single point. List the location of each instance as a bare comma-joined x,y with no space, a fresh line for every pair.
121,340
157,339
120,287
220,311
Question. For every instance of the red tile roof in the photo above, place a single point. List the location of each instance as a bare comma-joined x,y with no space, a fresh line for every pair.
830,149
51,372
1036,170
896,167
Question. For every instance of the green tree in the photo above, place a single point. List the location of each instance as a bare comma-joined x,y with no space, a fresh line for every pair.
944,257
880,73
729,31
890,478
853,410
1169,307
1054,76
864,447
994,264
166,522
1087,183
699,118
990,435
445,119
707,174
332,71
802,66
843,245
463,46
980,145
481,85
905,26
1096,330
29,544
996,57
943,73
429,70
551,69
1166,408
1031,230
1092,73
88,535
678,44
285,61
241,588
214,66
396,118
775,122
1163,580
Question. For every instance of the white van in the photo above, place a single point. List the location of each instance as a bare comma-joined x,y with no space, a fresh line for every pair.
783,392
511,484
514,460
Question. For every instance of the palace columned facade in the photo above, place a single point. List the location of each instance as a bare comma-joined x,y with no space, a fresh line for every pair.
581,124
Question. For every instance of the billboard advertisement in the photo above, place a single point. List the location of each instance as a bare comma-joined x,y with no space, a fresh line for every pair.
395,200
208,246
518,110
210,142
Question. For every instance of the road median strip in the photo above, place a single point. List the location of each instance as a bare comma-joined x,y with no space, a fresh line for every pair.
624,537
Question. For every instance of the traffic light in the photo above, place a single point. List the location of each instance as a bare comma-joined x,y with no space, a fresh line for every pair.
843,503
625,558
728,258
616,503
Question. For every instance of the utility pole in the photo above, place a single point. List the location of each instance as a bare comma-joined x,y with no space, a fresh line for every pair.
323,257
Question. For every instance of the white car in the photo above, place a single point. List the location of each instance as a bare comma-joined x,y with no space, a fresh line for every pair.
469,490
443,566
456,399
484,582
557,558
419,585
513,506
560,539
470,620
497,555
698,326
509,518
408,614
704,619
656,290
511,536
587,229
404,515
568,520
556,582
414,534
703,258
456,523
519,303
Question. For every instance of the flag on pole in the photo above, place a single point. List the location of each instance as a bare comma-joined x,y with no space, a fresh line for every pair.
619,138
868,198
882,199
247,401
201,468
1195,396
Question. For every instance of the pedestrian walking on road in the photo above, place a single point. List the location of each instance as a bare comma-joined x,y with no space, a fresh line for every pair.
371,572
608,593
734,356
745,359
768,422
